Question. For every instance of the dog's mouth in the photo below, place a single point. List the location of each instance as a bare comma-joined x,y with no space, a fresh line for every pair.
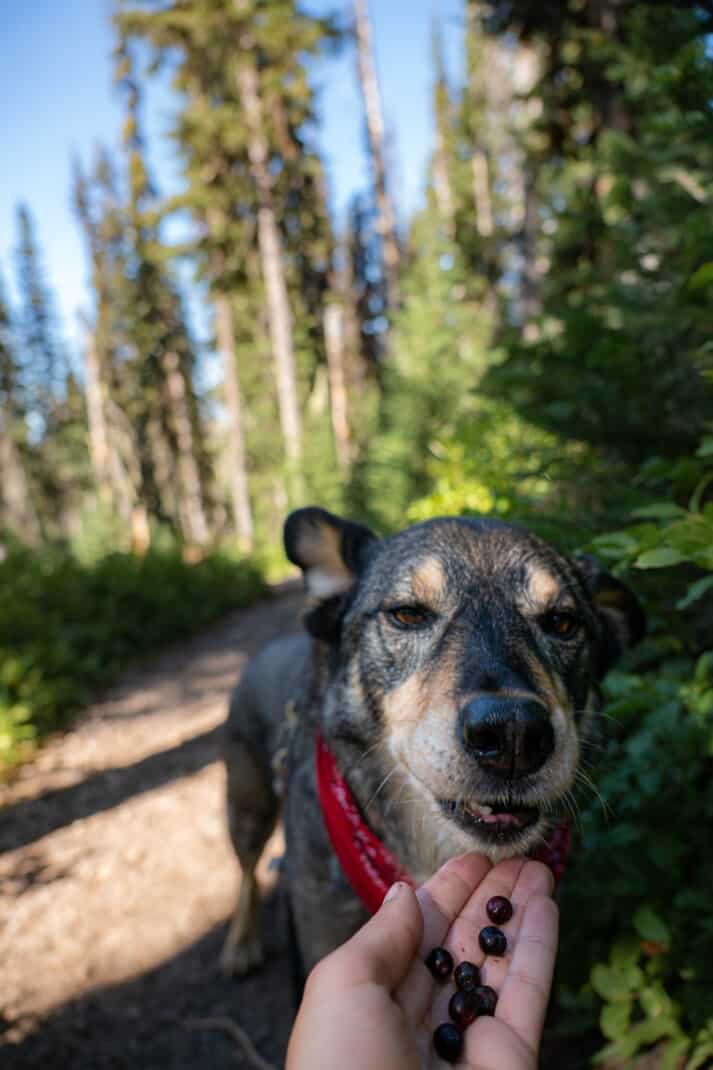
497,822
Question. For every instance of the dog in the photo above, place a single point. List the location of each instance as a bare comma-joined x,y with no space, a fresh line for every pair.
448,676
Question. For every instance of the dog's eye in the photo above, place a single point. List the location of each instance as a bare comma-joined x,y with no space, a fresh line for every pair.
560,623
409,616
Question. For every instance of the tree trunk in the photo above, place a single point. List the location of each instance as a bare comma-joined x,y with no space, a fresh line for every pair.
18,511
442,114
271,252
116,474
96,416
481,194
190,505
334,345
242,514
375,126
442,187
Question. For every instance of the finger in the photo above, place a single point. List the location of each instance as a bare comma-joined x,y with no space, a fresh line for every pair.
441,899
525,992
518,879
382,950
445,894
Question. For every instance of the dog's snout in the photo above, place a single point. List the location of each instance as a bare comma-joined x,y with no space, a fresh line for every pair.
507,737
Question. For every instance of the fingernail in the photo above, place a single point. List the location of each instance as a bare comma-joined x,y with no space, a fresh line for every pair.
393,891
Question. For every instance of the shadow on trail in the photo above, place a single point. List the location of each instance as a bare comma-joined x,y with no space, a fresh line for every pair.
153,1022
27,821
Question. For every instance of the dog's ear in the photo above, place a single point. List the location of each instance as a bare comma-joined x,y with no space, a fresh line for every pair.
618,608
331,552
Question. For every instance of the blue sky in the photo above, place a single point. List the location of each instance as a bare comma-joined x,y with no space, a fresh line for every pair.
55,84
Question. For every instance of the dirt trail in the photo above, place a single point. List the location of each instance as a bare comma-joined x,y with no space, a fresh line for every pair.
117,878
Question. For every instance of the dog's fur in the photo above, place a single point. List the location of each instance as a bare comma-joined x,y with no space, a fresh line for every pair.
430,656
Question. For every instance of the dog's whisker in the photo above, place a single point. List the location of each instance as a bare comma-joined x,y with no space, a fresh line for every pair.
382,785
572,808
584,778
362,757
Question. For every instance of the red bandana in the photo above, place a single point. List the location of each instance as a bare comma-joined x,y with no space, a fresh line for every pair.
368,865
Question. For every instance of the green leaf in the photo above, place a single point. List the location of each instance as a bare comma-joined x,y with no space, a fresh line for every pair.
673,1053
649,926
660,511
615,544
661,557
694,592
614,1019
702,277
614,984
700,1056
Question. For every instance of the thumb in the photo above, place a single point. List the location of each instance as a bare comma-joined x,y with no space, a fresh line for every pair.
382,950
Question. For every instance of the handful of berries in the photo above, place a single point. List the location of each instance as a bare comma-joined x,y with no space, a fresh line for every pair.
471,998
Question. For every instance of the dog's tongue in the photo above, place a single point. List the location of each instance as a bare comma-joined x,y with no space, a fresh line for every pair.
489,817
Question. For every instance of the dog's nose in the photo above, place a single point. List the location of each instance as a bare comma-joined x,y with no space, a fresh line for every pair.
507,737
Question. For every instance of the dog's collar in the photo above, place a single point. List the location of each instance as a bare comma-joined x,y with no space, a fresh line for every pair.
367,863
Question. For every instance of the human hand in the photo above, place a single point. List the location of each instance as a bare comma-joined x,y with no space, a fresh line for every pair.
373,1003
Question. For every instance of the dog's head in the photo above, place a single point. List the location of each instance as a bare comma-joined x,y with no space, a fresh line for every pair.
463,660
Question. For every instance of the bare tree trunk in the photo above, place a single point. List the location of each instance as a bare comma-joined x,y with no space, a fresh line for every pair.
96,416
334,345
442,115
163,464
375,127
242,514
442,187
271,253
481,194
192,512
18,511
113,455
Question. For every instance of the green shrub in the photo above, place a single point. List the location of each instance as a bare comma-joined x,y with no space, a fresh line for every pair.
638,912
67,628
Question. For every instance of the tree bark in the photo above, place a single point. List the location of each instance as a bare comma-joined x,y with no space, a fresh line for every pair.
117,480
442,114
481,194
96,416
242,514
375,127
271,252
191,509
334,345
19,512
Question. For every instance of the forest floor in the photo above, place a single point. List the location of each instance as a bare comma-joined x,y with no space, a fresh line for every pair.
117,877
117,880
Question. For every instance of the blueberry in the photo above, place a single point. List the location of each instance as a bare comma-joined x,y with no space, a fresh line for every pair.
499,909
466,976
485,998
492,940
448,1042
463,1008
440,963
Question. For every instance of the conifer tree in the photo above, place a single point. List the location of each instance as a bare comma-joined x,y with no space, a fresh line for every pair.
624,169
42,361
45,390
254,188
390,252
443,153
163,354
18,511
269,239
113,446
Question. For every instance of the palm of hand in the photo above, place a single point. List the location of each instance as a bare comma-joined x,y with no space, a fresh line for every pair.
375,1004
453,917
